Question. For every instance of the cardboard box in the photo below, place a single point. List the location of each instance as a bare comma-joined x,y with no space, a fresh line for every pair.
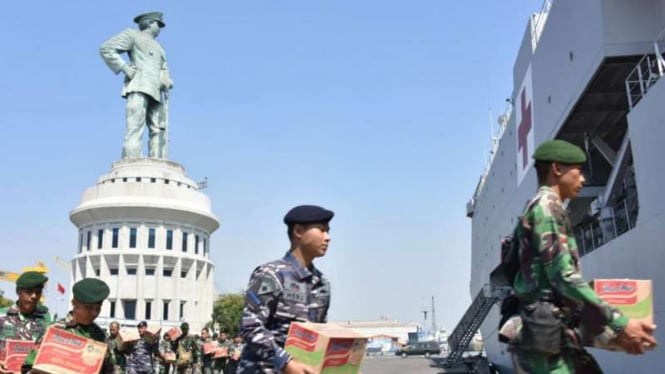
174,333
169,357
62,352
221,352
126,338
327,348
152,333
13,353
634,298
210,347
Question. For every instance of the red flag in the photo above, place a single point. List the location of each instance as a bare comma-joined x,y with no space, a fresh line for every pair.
61,289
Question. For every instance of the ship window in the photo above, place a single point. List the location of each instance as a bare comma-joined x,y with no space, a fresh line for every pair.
138,179
131,271
113,271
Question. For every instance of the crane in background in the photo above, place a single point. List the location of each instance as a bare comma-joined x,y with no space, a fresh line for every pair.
10,276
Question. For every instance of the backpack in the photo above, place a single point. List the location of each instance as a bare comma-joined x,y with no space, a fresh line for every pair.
184,356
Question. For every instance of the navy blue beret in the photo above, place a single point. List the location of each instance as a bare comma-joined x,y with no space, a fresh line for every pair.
308,214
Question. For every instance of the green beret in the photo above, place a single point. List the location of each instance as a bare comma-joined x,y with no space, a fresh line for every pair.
90,291
31,279
560,151
184,326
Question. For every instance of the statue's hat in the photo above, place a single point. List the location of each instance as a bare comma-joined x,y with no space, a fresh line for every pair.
157,16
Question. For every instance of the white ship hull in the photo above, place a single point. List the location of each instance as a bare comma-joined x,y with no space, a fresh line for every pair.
570,83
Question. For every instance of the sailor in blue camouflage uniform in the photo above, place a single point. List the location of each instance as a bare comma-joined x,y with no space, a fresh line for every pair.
140,359
286,290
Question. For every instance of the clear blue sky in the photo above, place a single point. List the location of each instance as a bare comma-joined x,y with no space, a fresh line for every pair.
377,110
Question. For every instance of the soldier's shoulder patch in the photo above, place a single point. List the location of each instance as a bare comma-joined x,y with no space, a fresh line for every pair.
264,282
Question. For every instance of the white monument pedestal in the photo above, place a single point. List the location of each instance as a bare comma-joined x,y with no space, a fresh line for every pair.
144,229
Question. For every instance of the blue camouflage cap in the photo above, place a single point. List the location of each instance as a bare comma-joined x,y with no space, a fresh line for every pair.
308,214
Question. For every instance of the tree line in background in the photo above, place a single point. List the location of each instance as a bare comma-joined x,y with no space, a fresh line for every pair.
4,302
227,313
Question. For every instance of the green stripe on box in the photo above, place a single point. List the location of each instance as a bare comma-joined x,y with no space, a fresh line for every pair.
307,358
637,310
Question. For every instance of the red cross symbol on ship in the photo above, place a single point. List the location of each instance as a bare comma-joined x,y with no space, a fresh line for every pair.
524,128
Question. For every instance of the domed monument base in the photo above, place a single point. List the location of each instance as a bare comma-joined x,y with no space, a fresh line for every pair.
144,229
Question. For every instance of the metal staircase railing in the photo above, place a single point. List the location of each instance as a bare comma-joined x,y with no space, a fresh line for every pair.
463,333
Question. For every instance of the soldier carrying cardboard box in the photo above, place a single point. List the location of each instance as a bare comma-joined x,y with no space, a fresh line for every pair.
89,293
286,290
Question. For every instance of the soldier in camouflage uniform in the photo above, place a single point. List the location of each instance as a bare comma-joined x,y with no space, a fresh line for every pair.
220,363
165,347
27,319
206,359
186,345
286,290
549,265
140,359
235,351
89,293
117,358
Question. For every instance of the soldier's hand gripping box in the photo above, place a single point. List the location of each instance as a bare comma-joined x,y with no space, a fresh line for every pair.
328,348
62,352
632,297
13,353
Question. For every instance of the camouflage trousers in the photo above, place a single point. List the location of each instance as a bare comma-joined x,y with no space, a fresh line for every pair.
569,361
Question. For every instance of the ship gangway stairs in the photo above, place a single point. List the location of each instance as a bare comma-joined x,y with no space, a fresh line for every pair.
474,316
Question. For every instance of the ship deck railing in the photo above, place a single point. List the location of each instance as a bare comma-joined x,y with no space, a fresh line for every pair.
602,228
648,71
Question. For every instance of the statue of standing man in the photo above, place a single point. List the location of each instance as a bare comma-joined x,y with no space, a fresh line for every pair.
147,83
